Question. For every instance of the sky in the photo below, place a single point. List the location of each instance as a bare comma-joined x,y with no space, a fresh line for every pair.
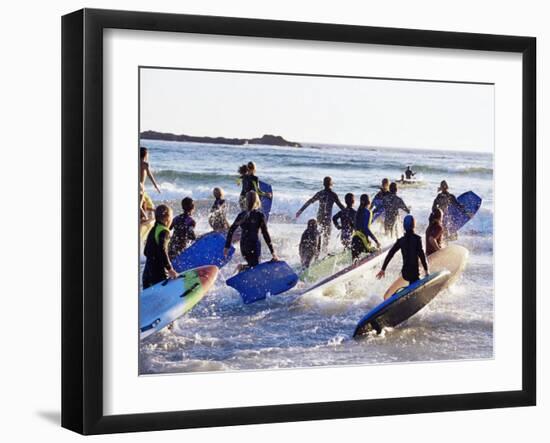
324,110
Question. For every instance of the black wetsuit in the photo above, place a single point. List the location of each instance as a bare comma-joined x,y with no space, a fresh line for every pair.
443,200
409,174
183,233
392,204
411,250
218,216
156,252
310,246
326,198
360,243
251,223
347,222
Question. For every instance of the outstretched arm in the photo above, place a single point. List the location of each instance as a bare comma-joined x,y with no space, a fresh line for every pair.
403,206
231,231
337,201
306,204
388,258
152,178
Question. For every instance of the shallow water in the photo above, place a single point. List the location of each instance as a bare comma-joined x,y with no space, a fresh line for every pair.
289,330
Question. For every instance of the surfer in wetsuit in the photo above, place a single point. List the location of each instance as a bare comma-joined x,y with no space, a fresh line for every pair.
251,221
158,265
409,174
360,242
434,232
443,201
183,229
411,249
326,198
392,203
344,220
217,218
310,244
249,182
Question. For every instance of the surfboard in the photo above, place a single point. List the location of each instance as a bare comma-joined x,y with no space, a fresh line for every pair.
452,258
161,304
272,277
207,250
403,304
325,266
458,217
364,266
378,208
266,201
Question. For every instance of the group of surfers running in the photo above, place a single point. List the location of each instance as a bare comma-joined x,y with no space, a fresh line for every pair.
170,236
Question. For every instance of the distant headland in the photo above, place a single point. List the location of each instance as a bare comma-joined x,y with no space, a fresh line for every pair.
266,139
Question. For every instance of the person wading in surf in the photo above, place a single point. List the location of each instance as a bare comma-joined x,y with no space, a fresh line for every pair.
158,265
444,200
392,203
326,198
251,221
434,232
360,242
411,250
344,220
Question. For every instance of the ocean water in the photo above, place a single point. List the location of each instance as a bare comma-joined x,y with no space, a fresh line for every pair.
289,330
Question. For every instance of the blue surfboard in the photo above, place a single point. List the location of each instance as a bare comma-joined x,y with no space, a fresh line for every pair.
272,277
266,201
378,208
458,217
403,304
207,250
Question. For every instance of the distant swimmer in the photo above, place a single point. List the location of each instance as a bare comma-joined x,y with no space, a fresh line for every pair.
392,203
310,244
326,198
249,182
146,205
360,243
217,217
158,265
443,201
183,229
434,232
409,174
411,250
344,220
251,221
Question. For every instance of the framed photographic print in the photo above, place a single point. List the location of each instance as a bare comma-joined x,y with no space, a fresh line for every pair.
269,221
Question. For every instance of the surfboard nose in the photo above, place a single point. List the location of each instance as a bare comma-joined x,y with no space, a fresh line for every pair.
207,275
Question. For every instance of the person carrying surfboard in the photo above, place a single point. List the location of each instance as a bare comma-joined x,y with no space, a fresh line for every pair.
392,203
183,229
250,182
217,218
411,249
310,244
434,232
344,220
443,201
326,198
145,203
360,242
158,265
251,221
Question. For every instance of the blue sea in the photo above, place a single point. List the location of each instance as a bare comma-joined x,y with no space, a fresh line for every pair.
288,330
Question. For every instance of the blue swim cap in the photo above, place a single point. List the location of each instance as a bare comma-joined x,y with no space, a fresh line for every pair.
408,223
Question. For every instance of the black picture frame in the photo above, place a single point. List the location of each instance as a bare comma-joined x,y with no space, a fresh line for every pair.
82,218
